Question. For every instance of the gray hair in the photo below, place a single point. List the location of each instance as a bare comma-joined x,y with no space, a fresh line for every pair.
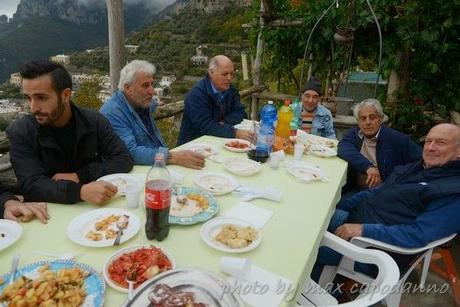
129,71
215,61
369,102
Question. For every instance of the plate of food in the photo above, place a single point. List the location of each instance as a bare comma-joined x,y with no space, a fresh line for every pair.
122,180
137,263
78,284
322,151
216,183
242,166
185,287
230,235
98,228
237,145
204,149
10,232
191,205
305,172
311,139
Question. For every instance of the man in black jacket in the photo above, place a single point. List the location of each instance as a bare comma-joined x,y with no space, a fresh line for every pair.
59,150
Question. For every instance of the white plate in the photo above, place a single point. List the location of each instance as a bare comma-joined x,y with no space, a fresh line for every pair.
207,287
311,139
121,180
211,228
10,232
216,183
83,223
204,149
235,149
322,151
117,255
305,172
242,166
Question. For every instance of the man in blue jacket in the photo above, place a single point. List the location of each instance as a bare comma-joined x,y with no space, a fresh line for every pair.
130,111
373,150
417,204
213,106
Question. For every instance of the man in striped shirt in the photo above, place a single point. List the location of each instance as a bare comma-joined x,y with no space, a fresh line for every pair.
316,119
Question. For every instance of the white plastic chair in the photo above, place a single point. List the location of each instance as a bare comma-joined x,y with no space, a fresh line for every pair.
315,295
393,299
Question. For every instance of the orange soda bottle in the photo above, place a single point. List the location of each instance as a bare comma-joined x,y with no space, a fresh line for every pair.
285,115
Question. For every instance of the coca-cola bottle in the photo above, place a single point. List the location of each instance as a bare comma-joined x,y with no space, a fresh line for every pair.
157,200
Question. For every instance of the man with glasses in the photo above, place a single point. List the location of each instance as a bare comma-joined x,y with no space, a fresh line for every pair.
418,203
316,119
213,106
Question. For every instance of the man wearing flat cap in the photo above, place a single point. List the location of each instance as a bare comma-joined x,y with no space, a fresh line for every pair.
316,119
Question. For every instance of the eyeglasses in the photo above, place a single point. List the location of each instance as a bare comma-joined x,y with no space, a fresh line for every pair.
308,96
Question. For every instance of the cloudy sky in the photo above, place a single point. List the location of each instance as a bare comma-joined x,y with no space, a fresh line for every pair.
8,7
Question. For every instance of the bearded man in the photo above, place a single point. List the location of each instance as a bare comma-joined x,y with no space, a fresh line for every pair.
59,150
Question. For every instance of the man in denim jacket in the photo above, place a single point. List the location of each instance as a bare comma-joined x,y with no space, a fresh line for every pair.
130,111
315,118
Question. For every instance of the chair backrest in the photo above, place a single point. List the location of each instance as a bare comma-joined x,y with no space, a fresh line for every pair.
388,273
368,242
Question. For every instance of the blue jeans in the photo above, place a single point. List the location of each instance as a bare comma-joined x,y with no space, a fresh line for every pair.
327,256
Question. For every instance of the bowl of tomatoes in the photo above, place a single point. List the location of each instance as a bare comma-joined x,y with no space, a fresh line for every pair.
136,263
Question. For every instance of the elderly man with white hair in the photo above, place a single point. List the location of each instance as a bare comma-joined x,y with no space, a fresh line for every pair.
130,112
213,106
373,150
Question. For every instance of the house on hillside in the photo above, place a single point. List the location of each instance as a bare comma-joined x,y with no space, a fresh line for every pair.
15,79
199,58
61,59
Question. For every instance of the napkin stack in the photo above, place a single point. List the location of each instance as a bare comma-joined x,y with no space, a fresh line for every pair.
247,212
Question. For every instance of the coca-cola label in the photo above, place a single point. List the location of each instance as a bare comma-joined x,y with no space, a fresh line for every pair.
157,199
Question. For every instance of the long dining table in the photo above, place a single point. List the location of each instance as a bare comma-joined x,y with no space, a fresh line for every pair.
290,239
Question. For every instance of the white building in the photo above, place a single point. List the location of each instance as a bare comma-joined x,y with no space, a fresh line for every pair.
15,79
166,81
199,58
61,59
131,48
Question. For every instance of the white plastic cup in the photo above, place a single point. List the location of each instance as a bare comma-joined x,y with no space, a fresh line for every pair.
239,268
298,151
280,153
133,193
275,161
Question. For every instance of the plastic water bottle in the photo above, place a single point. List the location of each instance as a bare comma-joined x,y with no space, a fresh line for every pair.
268,120
296,108
157,200
285,115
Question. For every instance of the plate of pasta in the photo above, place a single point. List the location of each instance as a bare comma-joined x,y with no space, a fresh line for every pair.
54,283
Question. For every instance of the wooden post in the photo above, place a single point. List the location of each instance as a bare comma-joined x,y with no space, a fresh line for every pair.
116,40
256,68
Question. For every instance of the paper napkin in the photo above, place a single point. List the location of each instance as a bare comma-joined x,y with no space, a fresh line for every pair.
248,212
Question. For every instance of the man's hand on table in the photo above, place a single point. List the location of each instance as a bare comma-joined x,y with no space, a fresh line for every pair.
66,176
98,192
186,158
373,177
244,134
348,231
25,212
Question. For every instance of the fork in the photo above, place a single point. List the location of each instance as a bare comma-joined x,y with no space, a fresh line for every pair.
14,267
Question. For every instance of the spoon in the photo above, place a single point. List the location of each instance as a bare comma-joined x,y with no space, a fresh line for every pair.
122,223
130,289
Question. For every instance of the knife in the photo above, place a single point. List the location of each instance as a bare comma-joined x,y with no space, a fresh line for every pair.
14,267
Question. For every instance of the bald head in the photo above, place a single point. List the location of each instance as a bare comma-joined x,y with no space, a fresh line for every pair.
221,72
442,145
